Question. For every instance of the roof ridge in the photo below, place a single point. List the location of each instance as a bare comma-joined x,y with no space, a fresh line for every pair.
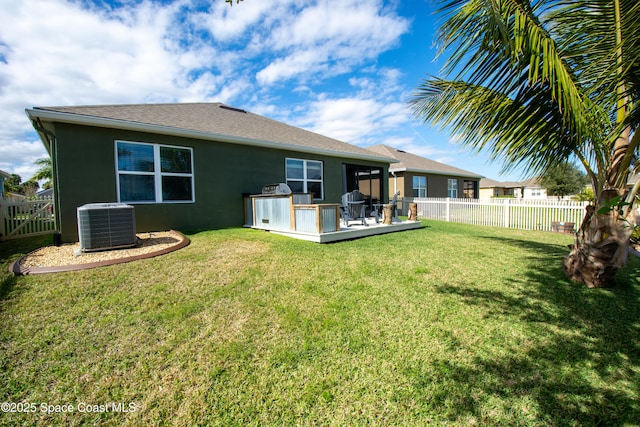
205,121
139,104
409,161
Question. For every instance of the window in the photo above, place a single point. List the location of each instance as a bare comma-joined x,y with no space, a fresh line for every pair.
152,173
470,190
305,176
452,188
419,186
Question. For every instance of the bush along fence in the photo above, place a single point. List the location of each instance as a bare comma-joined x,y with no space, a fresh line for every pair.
27,217
525,214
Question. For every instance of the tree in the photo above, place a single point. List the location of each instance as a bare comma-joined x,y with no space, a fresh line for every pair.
29,188
15,185
585,195
536,82
564,179
44,173
12,184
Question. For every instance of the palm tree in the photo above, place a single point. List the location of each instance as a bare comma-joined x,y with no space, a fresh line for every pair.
542,82
44,173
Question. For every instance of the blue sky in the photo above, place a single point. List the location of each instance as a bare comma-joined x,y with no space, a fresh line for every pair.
342,68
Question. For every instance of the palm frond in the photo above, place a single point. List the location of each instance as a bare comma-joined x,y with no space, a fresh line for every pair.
517,130
537,80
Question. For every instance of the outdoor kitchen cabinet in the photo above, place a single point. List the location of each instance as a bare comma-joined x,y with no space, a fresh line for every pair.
294,212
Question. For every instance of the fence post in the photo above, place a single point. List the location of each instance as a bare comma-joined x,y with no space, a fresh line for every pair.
507,213
448,205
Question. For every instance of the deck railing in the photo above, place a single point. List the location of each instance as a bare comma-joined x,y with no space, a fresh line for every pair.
526,214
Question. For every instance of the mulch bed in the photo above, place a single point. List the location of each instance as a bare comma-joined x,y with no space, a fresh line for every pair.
67,257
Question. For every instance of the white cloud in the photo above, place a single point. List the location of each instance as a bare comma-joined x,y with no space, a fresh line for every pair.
18,157
329,37
355,120
54,52
348,23
57,52
227,24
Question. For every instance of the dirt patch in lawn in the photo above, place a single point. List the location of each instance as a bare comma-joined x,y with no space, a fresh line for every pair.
68,257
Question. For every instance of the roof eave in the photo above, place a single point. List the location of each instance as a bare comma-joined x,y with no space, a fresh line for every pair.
434,172
47,115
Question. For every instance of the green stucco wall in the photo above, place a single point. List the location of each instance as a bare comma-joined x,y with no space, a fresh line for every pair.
86,173
437,185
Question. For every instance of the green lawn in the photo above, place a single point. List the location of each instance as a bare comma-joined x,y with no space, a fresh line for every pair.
449,325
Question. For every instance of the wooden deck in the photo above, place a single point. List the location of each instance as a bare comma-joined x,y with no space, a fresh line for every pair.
354,231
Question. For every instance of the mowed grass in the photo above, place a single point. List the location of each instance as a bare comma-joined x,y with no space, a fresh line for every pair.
448,325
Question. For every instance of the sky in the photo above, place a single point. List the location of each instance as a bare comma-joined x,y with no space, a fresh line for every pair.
342,68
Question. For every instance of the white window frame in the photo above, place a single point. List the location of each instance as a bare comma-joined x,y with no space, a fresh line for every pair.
452,188
157,174
304,178
419,187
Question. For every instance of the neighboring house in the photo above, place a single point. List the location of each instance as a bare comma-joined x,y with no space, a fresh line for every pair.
3,176
528,189
416,176
190,166
531,189
490,188
47,193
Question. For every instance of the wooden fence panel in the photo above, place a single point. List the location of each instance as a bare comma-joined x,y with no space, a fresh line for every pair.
525,214
26,218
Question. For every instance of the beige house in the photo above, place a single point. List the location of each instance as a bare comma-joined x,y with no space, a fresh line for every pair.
490,188
416,176
529,189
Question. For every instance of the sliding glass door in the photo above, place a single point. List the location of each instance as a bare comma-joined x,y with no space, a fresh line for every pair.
367,179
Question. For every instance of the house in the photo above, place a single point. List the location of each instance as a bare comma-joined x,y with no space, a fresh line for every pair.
532,189
527,189
191,166
490,188
44,194
416,176
3,176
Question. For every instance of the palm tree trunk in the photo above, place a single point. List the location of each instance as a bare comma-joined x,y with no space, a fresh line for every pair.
601,248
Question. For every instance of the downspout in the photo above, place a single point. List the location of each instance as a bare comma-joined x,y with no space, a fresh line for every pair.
395,182
51,139
395,188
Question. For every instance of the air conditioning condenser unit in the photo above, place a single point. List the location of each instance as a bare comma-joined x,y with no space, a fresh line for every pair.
106,226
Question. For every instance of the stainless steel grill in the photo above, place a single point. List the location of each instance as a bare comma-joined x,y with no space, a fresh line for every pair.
276,189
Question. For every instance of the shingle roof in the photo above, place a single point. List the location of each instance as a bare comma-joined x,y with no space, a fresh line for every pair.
214,121
531,182
413,163
490,183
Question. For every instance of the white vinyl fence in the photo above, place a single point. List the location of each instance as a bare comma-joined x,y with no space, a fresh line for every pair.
526,214
29,217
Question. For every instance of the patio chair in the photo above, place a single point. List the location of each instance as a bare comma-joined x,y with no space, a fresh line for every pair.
352,208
